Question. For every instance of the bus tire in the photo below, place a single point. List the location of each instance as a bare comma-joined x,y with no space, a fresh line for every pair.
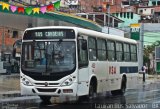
92,89
82,99
45,99
91,94
113,92
123,88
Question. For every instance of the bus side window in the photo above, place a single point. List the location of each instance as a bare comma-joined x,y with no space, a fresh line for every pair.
111,50
101,49
119,51
133,49
82,54
92,49
126,48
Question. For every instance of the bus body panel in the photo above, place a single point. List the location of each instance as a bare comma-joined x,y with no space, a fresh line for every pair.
83,82
111,80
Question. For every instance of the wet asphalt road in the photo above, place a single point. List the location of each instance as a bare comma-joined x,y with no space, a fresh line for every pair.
144,96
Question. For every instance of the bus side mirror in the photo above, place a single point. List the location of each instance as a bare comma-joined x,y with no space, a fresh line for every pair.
84,45
14,53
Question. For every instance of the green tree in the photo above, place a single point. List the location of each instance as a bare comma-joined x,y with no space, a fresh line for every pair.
149,49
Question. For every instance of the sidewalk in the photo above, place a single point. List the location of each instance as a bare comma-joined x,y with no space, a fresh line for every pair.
149,79
9,83
154,76
9,86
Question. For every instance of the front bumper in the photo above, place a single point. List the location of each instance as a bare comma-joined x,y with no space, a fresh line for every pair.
49,91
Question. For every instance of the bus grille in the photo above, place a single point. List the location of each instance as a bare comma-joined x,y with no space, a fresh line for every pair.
44,84
47,90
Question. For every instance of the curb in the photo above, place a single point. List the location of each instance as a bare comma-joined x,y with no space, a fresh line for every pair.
14,96
10,94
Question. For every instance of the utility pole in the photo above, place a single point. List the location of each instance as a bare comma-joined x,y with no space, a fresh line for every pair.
141,45
108,10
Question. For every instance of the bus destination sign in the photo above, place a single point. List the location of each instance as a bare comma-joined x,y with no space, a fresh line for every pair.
49,34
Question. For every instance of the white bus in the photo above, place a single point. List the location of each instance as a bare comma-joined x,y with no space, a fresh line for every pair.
74,62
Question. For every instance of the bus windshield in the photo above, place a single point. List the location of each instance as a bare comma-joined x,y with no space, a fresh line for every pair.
48,56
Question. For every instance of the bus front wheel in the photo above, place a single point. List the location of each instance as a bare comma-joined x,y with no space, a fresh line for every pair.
92,91
91,95
45,99
123,88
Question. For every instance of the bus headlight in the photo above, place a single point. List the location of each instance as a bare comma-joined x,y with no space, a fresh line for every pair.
26,82
68,82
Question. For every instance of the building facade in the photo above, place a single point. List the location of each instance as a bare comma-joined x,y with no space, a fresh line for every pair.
7,38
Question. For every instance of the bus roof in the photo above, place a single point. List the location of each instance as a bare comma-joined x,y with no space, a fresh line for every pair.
89,33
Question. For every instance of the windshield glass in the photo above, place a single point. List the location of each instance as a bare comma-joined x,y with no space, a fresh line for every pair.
48,56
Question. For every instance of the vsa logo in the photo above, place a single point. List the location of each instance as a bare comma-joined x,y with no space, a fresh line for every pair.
135,29
112,70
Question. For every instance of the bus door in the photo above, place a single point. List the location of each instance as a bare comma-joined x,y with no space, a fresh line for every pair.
83,74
